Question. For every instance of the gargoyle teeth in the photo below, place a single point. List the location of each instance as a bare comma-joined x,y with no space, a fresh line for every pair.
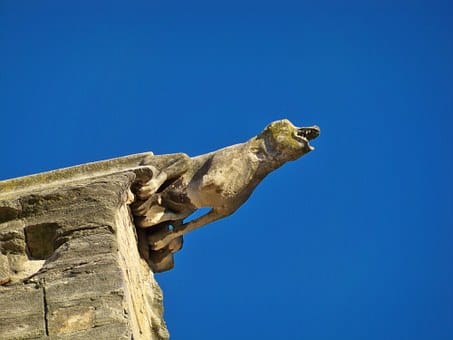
301,138
309,132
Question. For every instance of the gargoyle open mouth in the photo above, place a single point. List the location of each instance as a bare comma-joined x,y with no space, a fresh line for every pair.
306,134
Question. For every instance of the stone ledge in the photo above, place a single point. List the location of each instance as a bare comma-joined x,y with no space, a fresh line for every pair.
71,174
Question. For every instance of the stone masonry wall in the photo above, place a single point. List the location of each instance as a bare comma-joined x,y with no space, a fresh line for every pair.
69,261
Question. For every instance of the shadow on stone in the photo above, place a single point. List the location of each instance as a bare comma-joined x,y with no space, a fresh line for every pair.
8,214
40,240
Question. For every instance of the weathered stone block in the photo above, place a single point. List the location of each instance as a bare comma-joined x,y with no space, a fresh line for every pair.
23,312
69,261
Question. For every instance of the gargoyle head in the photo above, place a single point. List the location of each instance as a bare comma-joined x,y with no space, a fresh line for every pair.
285,142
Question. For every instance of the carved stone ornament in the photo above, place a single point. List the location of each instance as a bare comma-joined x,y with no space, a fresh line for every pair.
166,189
221,180
77,244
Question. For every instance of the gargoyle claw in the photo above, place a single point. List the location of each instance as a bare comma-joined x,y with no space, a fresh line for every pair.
151,187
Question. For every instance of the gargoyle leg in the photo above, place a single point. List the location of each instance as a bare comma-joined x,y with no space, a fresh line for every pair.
141,208
179,165
150,187
158,214
163,237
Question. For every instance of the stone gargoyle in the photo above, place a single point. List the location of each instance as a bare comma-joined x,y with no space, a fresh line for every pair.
221,180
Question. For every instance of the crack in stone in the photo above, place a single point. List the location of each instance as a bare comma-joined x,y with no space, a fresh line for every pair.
46,321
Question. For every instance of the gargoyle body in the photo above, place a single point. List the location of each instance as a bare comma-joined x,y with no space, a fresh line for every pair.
221,180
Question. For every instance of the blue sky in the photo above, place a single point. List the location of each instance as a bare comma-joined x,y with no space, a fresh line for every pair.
353,241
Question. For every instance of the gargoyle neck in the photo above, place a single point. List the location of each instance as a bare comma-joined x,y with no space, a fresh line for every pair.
268,160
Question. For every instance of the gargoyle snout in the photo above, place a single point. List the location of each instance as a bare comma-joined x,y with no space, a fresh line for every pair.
310,132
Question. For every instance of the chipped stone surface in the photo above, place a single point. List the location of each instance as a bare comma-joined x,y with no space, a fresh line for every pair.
69,262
